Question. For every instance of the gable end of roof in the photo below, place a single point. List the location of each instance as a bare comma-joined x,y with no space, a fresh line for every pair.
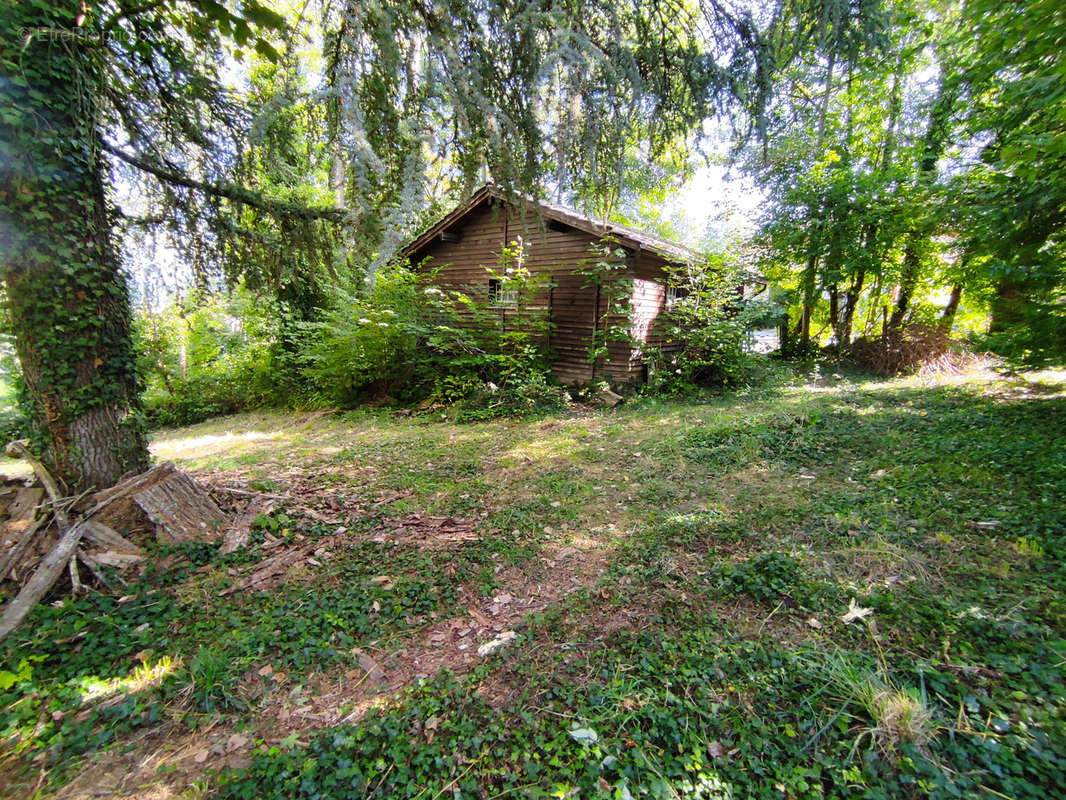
627,237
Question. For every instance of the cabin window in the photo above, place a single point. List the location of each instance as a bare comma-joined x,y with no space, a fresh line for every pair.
673,294
500,296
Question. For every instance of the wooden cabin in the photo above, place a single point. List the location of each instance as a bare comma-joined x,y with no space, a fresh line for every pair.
557,243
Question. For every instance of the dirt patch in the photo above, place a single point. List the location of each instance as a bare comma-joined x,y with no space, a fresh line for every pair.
345,695
457,643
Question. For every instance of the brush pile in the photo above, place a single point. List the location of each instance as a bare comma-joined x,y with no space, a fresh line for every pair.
109,534
912,349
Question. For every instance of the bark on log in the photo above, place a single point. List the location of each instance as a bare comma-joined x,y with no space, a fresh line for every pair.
103,536
165,498
181,510
120,512
14,555
20,528
609,398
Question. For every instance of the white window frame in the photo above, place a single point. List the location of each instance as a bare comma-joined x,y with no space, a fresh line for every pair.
499,297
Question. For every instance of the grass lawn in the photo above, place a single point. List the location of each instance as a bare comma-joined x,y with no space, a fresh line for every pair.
842,588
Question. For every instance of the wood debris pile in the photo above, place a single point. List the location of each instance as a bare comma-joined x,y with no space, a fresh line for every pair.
419,529
108,537
427,531
271,570
44,534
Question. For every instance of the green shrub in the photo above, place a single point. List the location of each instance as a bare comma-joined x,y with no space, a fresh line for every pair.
706,330
411,342
366,346
404,340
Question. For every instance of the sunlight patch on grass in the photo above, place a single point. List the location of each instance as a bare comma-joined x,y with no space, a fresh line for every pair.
209,444
145,676
582,542
543,449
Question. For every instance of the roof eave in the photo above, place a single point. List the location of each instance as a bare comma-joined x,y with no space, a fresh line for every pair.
674,253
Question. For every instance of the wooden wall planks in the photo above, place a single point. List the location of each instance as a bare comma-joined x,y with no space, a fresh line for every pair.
574,305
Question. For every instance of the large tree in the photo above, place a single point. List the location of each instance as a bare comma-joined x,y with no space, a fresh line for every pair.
1015,193
71,74
855,171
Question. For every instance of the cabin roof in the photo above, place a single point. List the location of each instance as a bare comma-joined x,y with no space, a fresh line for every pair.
627,237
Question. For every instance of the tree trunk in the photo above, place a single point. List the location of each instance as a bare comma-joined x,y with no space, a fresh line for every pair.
851,302
834,311
947,319
808,284
908,279
934,143
67,299
1009,304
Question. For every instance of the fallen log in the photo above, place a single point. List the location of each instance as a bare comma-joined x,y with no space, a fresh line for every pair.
247,493
105,537
270,568
43,579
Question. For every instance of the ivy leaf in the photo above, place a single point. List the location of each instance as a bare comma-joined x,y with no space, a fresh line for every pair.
584,735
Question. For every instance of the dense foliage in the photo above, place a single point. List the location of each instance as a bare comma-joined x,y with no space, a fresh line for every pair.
708,328
853,591
212,355
913,182
409,340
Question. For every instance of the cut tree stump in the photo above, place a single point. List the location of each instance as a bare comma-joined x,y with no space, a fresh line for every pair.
163,498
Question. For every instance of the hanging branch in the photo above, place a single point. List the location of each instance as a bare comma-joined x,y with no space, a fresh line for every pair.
237,194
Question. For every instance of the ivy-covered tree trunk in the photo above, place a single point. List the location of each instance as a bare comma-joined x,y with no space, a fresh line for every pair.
66,297
1010,302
